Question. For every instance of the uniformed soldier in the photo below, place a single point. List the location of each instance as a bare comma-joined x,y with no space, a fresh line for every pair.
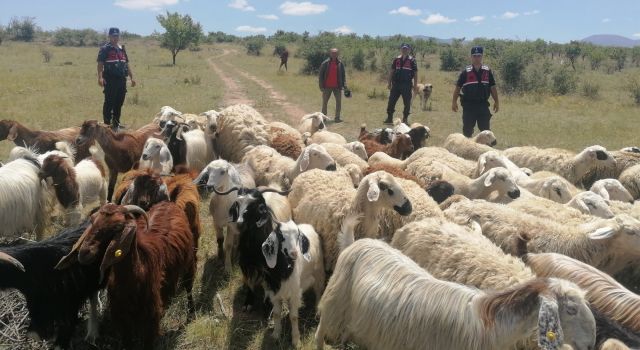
402,77
477,83
113,69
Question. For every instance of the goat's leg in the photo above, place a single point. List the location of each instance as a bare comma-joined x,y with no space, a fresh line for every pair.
92,325
104,193
294,306
188,286
277,319
113,177
229,244
320,335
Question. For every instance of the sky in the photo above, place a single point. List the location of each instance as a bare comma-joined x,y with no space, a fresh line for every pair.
558,21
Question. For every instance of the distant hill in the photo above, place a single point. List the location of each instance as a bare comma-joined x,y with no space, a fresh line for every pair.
611,40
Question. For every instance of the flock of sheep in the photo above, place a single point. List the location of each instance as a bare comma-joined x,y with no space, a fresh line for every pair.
405,246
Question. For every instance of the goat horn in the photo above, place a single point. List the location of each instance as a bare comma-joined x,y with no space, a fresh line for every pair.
134,209
4,257
266,189
227,192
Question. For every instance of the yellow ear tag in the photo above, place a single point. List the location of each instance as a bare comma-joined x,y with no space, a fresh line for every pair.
551,335
119,254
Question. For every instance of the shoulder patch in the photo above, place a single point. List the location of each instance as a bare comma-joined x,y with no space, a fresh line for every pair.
485,67
469,68
399,56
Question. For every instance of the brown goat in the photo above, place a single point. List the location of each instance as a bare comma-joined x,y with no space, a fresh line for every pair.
382,136
144,259
40,140
145,188
397,148
121,149
286,145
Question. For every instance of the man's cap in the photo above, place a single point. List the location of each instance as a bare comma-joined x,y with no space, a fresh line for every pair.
113,31
477,50
405,46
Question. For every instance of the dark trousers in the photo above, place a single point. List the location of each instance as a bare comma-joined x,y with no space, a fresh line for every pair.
398,90
114,92
473,114
326,94
283,63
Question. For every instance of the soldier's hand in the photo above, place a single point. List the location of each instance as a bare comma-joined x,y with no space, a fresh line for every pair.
496,107
454,107
101,82
389,86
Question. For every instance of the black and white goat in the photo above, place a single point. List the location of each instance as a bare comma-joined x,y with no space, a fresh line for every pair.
53,296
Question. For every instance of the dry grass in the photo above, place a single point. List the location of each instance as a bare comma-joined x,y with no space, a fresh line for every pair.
56,95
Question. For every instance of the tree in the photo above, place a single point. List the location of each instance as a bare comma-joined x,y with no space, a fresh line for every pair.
596,57
22,29
620,56
254,44
181,31
572,51
635,56
358,60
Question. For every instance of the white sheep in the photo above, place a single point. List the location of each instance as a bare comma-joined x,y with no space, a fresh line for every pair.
168,113
608,244
199,151
495,179
573,167
156,156
343,156
358,149
581,208
470,149
630,179
554,187
424,157
269,166
296,248
380,299
317,198
239,129
223,176
611,189
23,198
312,122
323,136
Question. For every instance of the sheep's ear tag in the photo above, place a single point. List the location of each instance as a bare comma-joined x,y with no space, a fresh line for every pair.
304,246
550,336
270,250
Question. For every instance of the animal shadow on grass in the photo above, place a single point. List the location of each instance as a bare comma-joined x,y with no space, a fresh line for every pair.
213,279
307,322
245,324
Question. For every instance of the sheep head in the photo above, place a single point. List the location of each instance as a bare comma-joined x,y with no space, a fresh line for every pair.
440,190
315,156
621,236
110,236
590,203
212,121
219,175
490,160
403,145
383,189
146,190
592,157
8,130
317,121
247,197
52,166
287,239
612,189
357,148
500,179
556,189
151,147
486,137
564,313
419,135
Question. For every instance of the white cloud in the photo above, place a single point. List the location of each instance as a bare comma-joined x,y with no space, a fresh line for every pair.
531,13
250,29
509,15
343,30
269,17
302,8
153,5
242,5
437,19
476,19
405,10
606,20
636,35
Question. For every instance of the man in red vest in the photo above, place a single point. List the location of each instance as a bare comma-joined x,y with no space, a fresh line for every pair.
476,83
332,80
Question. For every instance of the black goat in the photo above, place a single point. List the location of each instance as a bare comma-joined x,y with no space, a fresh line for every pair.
255,223
172,131
53,297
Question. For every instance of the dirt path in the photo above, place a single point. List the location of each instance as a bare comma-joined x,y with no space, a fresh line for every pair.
234,92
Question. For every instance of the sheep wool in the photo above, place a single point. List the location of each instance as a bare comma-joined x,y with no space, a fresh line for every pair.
240,129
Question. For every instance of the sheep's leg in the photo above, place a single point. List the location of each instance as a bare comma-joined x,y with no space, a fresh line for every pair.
103,194
92,325
320,335
228,248
113,177
277,319
294,306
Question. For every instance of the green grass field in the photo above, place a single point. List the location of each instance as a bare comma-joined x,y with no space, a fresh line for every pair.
64,92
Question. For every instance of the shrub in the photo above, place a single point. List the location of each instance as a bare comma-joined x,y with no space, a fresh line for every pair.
633,85
619,55
279,49
536,76
512,65
590,89
358,60
377,94
77,37
373,64
563,81
22,29
451,60
315,51
254,46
